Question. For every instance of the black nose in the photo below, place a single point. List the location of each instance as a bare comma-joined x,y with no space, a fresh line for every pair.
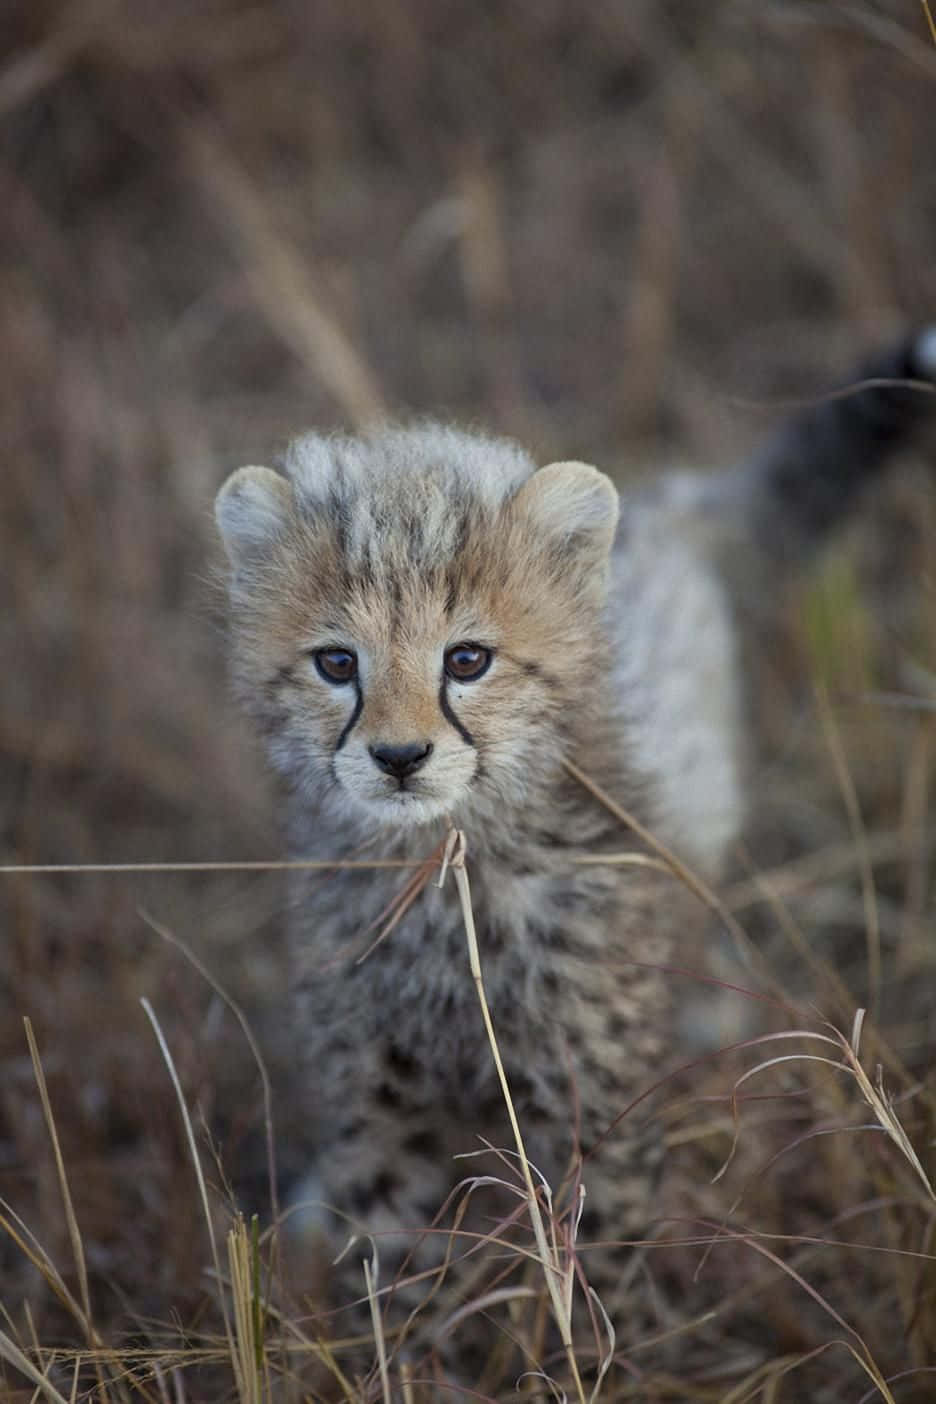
402,760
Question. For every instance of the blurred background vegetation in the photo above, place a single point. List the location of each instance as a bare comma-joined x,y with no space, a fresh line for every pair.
620,230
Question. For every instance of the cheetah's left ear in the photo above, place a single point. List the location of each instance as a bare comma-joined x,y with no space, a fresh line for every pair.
573,505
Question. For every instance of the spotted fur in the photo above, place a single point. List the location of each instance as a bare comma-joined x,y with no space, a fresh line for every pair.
615,646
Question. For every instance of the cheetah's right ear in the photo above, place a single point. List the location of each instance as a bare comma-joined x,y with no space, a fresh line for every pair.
251,510
572,502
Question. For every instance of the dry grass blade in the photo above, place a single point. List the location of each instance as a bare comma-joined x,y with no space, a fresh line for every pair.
485,1302
394,912
875,1096
11,1352
860,1352
257,1056
764,1383
30,1247
247,1324
74,1232
202,1188
286,865
901,1375
298,1342
607,1359
370,1280
555,1393
929,19
259,866
406,1382
556,1273
881,1104
762,1067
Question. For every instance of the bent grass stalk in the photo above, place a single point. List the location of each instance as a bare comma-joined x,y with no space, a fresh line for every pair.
559,1277
242,1385
671,861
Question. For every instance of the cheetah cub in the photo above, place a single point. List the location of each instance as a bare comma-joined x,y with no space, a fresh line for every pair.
424,628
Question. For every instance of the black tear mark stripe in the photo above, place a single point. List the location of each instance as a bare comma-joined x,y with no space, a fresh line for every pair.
450,716
447,712
352,720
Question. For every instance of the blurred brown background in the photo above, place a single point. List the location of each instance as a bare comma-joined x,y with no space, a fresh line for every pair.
605,228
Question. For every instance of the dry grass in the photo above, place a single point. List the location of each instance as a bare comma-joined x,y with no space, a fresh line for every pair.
617,231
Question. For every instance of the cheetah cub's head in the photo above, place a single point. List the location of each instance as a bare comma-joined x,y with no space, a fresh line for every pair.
416,617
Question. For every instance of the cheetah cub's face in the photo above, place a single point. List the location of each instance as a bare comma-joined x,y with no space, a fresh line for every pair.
414,615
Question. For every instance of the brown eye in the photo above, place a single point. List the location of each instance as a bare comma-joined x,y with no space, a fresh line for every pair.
466,661
336,665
